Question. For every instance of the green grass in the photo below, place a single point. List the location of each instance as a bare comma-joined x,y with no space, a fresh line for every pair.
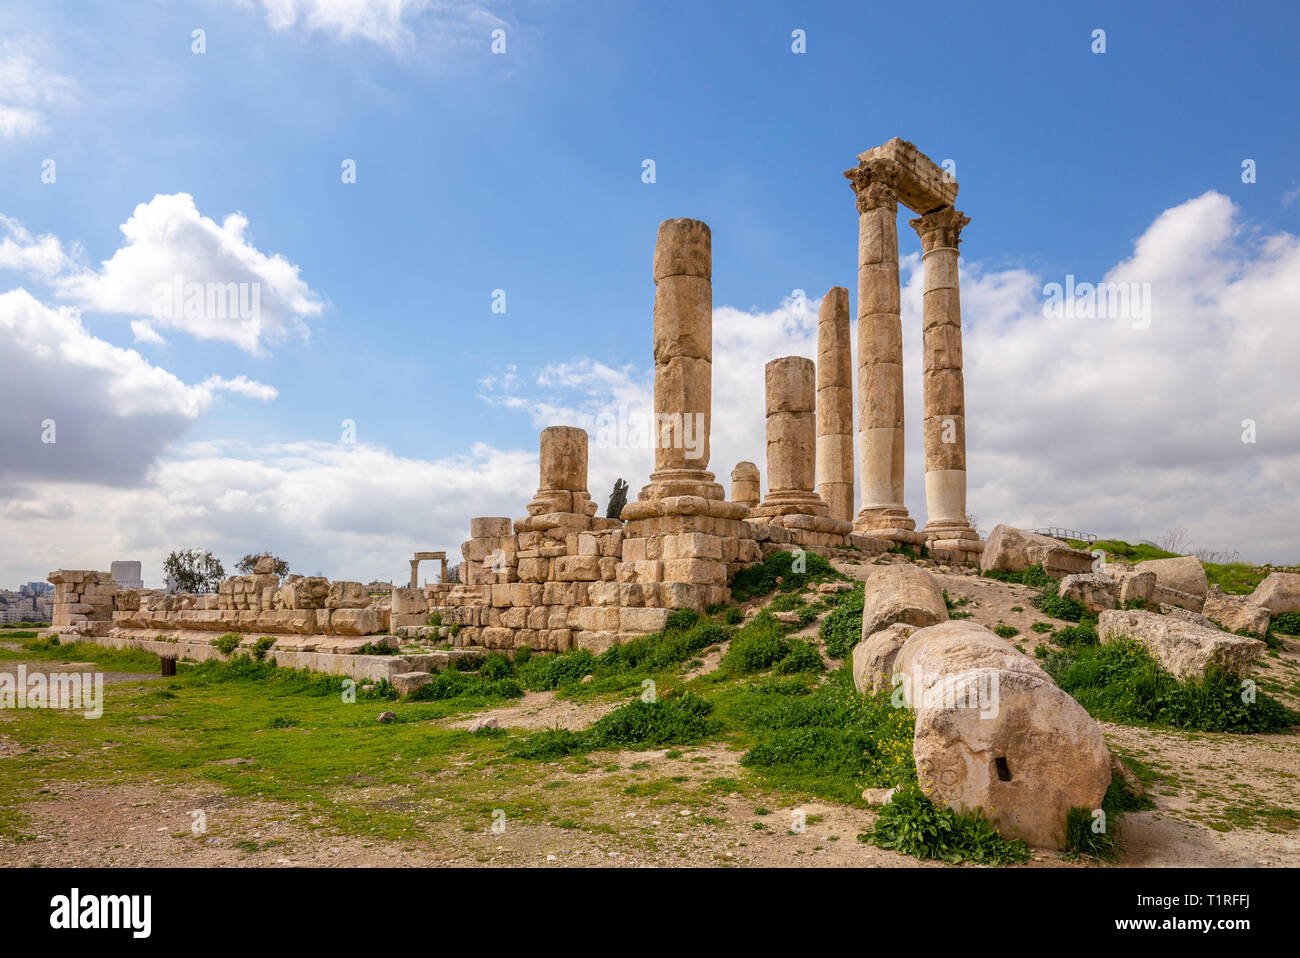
1120,682
1128,551
678,720
777,571
761,644
842,628
1285,623
914,825
111,660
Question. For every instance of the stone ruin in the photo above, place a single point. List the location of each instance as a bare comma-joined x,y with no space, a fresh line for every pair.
562,577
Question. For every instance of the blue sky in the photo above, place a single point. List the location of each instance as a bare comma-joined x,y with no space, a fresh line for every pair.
522,171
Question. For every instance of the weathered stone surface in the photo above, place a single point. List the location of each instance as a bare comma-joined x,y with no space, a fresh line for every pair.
993,731
355,621
1009,549
1183,648
744,486
1183,574
1134,585
1279,592
1092,590
489,527
873,657
1235,612
901,593
347,595
409,602
265,565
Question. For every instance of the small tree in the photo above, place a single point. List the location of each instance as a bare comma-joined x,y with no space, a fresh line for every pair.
617,500
247,564
193,570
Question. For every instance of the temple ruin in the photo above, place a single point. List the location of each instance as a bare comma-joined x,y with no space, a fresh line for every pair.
562,577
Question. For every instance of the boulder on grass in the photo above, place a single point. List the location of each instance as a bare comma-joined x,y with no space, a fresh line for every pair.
873,657
1009,549
993,731
1235,612
1093,591
1279,592
407,682
1182,574
901,593
1181,646
1133,585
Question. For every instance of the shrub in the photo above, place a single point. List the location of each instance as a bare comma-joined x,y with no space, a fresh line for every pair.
912,824
262,646
542,673
1005,631
522,655
756,647
1287,623
1085,633
800,656
842,628
495,666
452,683
762,579
680,620
732,615
228,642
1041,627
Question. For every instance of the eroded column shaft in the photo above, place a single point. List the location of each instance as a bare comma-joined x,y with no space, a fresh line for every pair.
835,404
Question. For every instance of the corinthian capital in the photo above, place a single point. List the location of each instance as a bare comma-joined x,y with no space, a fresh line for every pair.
940,229
875,184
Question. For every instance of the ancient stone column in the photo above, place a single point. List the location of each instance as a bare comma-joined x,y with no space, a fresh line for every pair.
880,354
943,385
791,405
683,352
835,404
744,484
562,486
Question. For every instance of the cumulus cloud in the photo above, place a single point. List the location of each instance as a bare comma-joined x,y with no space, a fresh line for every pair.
389,23
27,89
41,256
185,271
79,408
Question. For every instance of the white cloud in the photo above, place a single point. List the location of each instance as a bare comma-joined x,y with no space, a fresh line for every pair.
185,271
113,412
346,511
39,256
27,89
144,333
389,23
1086,423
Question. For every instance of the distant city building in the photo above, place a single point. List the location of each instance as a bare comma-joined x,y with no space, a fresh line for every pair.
36,588
126,574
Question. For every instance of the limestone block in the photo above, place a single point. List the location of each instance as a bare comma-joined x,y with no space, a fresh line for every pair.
1183,574
901,593
683,248
602,594
1009,549
1279,592
642,620
873,657
1235,612
634,549
692,545
1184,648
698,571
1093,591
577,568
1134,586
486,527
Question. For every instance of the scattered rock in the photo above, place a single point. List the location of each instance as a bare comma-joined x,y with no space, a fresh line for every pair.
901,593
482,723
878,796
1009,549
407,682
1235,612
1092,590
1183,647
1183,574
389,716
873,657
1279,592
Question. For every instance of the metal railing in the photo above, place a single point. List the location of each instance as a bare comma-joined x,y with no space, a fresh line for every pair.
1056,532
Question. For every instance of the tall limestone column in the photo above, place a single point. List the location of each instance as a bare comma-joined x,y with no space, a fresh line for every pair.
791,406
880,354
944,388
835,404
683,352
